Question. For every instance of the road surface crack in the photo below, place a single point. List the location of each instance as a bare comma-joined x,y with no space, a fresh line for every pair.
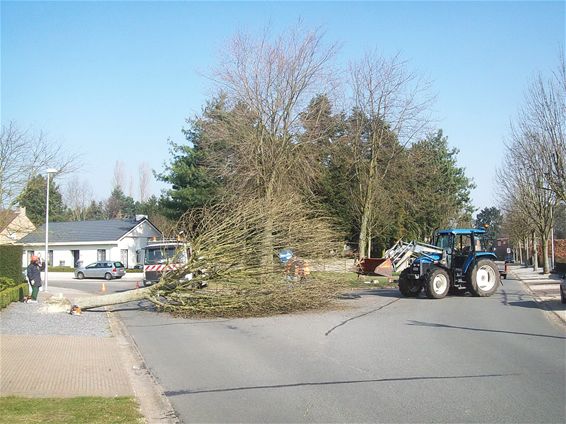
360,316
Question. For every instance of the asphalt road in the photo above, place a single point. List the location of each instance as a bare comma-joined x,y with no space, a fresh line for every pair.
380,358
93,285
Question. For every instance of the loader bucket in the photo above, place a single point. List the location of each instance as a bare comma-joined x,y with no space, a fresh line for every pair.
385,268
379,266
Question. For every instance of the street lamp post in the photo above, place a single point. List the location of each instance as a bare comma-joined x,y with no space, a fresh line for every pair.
46,259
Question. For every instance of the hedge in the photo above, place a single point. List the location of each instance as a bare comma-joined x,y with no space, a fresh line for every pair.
13,294
11,262
6,283
61,269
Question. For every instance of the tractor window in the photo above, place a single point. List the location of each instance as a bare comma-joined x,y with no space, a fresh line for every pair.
444,241
482,243
463,244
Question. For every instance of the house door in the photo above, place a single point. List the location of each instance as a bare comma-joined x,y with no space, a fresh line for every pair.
124,257
76,256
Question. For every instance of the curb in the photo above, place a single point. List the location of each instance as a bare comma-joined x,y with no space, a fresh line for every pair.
154,405
543,303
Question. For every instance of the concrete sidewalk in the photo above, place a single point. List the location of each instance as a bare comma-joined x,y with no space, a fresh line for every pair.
544,288
46,354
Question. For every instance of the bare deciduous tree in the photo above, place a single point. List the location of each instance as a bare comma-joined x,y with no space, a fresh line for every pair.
131,187
533,179
119,175
144,179
522,191
391,105
272,81
515,226
542,122
24,155
77,196
266,84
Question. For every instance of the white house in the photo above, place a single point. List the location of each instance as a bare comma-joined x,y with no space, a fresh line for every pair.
90,241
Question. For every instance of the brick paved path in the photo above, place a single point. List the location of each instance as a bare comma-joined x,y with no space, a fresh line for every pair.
61,366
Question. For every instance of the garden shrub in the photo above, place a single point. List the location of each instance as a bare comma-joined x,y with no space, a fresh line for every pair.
13,294
6,282
11,263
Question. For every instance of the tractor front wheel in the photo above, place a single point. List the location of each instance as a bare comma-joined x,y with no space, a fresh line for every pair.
437,283
409,287
483,278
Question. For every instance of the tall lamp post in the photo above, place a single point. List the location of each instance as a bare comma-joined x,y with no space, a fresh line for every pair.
49,172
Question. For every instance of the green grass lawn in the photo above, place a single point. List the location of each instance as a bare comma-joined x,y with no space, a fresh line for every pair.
69,410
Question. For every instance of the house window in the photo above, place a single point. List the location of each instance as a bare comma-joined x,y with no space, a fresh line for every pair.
101,254
50,258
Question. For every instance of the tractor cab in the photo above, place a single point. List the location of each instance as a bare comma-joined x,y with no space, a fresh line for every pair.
461,246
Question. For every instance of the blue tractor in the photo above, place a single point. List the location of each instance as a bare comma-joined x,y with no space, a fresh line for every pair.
462,263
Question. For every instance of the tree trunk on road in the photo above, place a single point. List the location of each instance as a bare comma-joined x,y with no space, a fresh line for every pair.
91,302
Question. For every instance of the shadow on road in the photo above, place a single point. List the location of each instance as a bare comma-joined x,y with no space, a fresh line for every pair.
455,327
370,292
531,304
332,383
142,305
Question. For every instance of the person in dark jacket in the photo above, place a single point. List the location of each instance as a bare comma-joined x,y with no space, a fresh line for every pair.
34,276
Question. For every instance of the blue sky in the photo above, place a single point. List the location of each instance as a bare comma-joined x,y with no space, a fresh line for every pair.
114,80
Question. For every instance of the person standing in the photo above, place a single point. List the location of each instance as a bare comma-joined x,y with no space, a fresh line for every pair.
34,276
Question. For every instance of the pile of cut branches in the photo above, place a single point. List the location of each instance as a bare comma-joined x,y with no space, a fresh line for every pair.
234,268
277,296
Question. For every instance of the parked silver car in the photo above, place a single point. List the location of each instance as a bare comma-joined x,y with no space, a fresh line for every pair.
101,269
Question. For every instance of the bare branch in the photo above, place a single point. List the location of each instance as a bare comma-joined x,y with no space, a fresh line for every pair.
24,155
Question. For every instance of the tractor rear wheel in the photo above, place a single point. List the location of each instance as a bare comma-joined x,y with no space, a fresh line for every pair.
483,278
409,287
437,283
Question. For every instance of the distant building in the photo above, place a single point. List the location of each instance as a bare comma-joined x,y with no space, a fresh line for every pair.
85,242
14,225
502,248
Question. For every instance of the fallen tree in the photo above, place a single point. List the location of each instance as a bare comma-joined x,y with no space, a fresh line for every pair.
226,275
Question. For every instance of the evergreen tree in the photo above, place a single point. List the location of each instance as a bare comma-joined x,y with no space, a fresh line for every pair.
95,211
193,184
491,219
437,190
33,198
119,205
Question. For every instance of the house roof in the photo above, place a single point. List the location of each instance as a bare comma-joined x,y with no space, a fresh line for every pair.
6,218
83,231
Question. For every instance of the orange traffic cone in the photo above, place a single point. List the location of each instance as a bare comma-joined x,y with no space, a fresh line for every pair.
103,288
